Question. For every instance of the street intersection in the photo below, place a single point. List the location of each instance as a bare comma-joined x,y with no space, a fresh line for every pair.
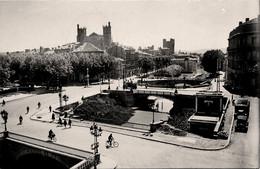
135,150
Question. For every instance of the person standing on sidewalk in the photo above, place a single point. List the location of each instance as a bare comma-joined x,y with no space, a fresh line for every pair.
28,109
21,119
50,108
53,117
39,105
3,102
70,122
65,122
60,122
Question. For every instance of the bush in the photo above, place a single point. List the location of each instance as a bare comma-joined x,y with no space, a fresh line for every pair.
103,110
166,129
180,119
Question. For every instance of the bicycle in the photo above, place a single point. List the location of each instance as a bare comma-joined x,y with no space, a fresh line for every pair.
114,143
53,139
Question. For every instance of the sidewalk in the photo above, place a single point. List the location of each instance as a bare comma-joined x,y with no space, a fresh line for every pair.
190,141
15,96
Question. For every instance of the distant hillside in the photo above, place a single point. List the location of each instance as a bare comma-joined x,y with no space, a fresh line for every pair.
224,50
2,53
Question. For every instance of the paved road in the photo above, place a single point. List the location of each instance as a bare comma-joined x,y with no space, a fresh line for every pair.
135,152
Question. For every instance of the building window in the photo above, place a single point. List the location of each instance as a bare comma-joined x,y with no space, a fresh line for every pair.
253,40
254,55
241,41
248,38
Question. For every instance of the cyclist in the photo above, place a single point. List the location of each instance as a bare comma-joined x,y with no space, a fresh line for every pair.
110,138
51,134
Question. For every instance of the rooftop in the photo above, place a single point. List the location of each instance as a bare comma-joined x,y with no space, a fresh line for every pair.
88,48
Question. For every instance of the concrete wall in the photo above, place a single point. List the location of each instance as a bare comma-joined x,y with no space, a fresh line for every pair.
12,151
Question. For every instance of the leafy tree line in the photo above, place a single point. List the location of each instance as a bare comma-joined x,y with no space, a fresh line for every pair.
40,68
149,63
44,68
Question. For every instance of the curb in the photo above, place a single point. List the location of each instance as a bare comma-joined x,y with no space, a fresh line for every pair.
150,139
17,98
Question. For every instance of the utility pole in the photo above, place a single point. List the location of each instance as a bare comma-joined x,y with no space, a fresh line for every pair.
218,78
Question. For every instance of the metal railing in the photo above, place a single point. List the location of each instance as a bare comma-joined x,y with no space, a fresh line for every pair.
86,163
154,92
51,146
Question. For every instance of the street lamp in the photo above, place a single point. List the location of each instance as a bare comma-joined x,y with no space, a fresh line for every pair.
108,83
152,106
87,79
94,130
5,117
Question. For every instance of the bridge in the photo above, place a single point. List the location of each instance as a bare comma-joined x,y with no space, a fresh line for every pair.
19,151
161,92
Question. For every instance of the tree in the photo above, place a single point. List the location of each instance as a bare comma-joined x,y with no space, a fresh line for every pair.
210,59
146,63
17,61
4,69
174,70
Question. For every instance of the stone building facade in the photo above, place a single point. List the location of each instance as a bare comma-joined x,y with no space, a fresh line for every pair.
169,45
187,62
243,57
101,41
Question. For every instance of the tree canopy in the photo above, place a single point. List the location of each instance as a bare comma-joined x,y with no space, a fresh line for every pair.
210,59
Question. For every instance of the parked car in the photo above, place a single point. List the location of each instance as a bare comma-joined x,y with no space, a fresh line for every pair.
242,123
242,107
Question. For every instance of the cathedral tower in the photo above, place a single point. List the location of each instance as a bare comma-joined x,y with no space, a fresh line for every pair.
107,35
81,34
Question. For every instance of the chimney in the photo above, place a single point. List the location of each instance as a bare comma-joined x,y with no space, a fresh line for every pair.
240,23
247,19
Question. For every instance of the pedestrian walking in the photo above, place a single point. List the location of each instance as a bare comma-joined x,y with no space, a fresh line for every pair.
50,108
53,117
39,105
70,122
3,102
60,121
28,109
21,119
65,122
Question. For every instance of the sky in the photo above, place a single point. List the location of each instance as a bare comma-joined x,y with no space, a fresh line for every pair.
194,24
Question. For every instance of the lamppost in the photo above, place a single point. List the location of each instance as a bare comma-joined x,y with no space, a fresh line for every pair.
152,106
108,82
87,79
5,117
94,130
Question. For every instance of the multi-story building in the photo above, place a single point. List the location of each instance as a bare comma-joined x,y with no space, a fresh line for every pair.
101,41
243,57
188,62
169,45
131,63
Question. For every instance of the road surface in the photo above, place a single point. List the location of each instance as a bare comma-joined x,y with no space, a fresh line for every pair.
133,152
